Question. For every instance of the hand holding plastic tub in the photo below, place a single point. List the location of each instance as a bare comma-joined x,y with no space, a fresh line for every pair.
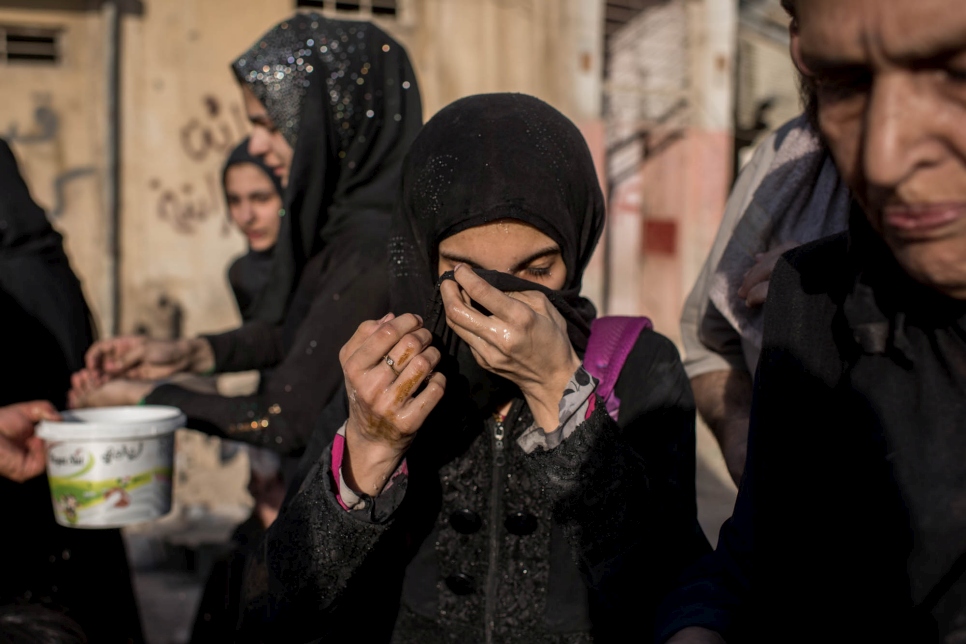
22,455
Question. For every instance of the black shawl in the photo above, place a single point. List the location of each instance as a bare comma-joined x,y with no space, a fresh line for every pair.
344,96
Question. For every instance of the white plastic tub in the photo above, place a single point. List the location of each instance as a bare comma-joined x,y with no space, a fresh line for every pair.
111,467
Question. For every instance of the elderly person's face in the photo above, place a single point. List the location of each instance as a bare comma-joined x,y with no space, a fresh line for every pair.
890,77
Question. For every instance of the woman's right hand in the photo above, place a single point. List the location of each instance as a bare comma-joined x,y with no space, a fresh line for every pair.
384,415
139,358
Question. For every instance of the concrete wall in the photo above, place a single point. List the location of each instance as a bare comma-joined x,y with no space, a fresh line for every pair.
53,116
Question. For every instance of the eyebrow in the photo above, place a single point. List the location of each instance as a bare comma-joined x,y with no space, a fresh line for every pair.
939,52
260,119
540,254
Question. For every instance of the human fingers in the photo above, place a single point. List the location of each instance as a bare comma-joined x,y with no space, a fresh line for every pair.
34,458
125,354
76,380
382,340
764,265
38,410
410,345
476,343
23,461
492,299
95,356
461,314
758,294
419,367
363,333
424,403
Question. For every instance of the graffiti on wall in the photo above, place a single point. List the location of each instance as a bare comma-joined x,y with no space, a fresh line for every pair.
45,129
204,141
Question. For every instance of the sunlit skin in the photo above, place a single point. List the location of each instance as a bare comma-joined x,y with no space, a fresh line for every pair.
253,205
266,141
891,86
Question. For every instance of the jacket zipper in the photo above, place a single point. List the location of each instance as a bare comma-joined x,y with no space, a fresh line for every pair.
496,511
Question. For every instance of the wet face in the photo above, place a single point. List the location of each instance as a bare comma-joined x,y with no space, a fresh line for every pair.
266,141
508,246
253,205
890,80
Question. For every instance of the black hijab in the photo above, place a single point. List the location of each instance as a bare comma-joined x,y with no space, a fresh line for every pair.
344,96
249,274
484,158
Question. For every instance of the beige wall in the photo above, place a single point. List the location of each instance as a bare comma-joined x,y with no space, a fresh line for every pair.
53,117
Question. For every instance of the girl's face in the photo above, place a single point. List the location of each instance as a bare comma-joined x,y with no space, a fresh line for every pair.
266,141
253,205
508,246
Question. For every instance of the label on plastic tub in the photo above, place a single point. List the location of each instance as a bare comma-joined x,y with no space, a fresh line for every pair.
101,484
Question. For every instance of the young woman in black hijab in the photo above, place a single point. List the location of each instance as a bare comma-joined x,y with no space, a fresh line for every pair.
253,193
45,315
334,106
478,489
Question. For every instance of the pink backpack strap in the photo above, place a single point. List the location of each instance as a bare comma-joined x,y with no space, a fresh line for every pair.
611,340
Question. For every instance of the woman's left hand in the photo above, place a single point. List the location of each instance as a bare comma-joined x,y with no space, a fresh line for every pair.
524,340
90,390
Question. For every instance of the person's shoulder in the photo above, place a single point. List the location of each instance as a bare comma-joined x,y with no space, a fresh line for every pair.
822,257
808,287
653,353
817,271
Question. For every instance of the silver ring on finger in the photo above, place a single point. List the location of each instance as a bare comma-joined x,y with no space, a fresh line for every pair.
391,363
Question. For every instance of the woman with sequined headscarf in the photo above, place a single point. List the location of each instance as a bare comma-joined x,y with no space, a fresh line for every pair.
334,107
484,487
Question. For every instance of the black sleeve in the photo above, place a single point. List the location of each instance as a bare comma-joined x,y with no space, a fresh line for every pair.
301,577
282,415
255,345
624,492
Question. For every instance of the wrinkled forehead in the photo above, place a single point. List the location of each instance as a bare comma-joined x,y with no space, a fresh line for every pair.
879,32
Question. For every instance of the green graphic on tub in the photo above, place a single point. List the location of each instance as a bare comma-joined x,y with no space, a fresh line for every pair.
72,494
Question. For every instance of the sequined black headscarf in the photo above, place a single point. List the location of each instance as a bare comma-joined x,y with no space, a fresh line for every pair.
489,157
344,96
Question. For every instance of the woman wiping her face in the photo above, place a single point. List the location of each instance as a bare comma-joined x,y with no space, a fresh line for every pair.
479,489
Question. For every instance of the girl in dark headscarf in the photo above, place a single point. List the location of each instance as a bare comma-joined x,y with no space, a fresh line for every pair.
479,490
253,192
334,106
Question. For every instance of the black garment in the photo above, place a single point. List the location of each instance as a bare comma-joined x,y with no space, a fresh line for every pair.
618,499
249,274
849,513
303,355
344,96
477,543
45,331
349,139
248,277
